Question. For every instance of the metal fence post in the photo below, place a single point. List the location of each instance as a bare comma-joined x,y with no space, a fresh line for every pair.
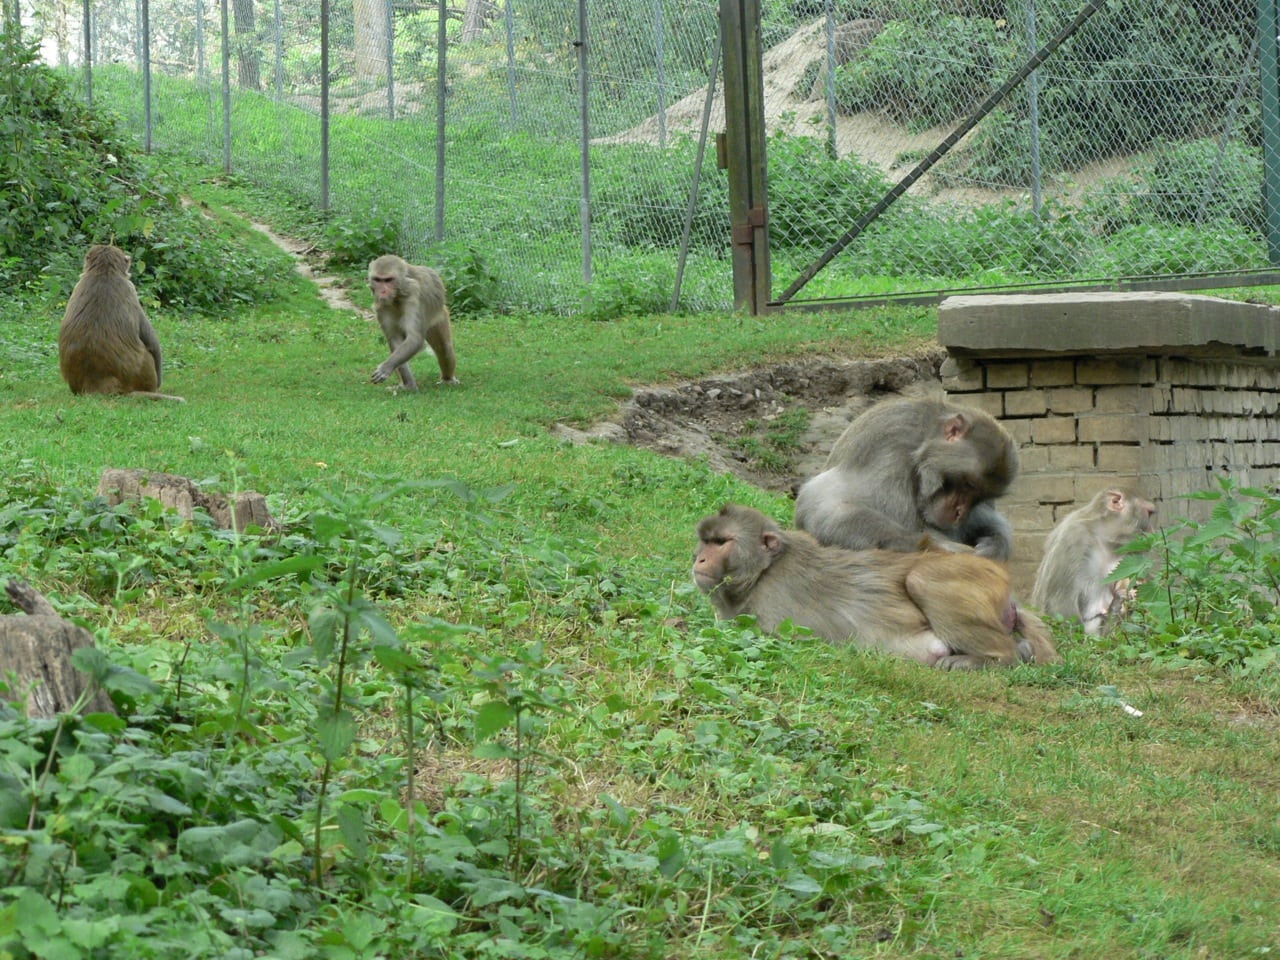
225,27
391,61
146,76
1269,60
744,153
324,105
509,16
442,66
279,52
829,84
200,66
88,53
1033,112
660,55
584,90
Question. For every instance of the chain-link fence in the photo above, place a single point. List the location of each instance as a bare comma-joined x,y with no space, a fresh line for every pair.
1134,150
558,172
486,171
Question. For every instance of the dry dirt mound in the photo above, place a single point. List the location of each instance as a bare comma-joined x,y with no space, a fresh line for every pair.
747,424
791,105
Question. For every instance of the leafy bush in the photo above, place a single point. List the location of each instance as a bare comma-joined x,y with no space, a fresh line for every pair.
73,178
813,198
352,240
631,289
1007,238
1201,182
650,189
1210,591
924,77
472,283
1135,73
1146,250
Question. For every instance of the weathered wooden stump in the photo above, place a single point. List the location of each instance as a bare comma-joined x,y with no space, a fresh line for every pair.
182,495
36,649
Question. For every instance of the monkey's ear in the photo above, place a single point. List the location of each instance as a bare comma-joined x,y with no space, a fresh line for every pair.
771,540
1115,501
955,428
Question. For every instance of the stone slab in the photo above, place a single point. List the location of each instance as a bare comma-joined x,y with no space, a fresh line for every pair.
1092,323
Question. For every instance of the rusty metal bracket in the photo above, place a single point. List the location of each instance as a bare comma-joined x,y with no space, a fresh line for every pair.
744,233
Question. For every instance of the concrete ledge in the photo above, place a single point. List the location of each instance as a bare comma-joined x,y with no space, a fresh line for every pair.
1154,323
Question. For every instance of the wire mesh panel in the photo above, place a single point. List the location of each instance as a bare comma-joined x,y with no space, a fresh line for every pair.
507,197
1133,151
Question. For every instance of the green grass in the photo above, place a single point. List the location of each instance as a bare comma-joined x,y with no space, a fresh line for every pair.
601,769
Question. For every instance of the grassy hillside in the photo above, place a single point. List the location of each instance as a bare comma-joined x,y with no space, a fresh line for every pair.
597,768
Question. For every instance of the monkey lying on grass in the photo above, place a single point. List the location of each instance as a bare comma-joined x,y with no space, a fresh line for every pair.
945,609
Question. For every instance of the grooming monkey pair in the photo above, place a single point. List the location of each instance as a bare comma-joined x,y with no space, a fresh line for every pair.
898,544
106,344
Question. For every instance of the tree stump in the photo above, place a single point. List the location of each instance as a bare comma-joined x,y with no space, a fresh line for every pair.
37,650
182,495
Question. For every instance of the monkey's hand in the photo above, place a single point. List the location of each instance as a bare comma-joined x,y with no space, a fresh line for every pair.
993,548
452,382
381,373
934,541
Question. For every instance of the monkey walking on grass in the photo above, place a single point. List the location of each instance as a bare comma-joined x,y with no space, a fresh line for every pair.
410,303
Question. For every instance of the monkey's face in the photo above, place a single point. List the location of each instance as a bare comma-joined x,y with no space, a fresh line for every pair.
385,288
949,508
1146,514
711,562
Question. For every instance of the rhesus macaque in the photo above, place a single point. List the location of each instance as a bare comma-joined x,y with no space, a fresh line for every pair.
411,311
911,471
945,609
1082,551
106,344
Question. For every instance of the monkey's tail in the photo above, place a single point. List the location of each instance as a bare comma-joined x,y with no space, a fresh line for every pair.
1035,642
151,395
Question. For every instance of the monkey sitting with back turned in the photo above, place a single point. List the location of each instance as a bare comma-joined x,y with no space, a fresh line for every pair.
106,344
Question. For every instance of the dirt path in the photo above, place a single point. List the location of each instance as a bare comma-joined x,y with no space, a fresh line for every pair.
330,288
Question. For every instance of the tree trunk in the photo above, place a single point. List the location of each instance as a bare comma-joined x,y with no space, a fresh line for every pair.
372,42
474,17
247,62
249,508
37,650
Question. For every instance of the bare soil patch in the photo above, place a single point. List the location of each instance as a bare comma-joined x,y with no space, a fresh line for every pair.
772,426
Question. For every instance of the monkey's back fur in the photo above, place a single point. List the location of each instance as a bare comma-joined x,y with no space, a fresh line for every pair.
891,461
105,342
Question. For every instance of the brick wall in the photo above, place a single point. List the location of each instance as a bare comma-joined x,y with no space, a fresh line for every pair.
1166,419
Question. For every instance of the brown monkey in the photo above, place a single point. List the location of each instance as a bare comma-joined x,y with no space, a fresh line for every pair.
1081,552
106,344
952,610
411,311
913,466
